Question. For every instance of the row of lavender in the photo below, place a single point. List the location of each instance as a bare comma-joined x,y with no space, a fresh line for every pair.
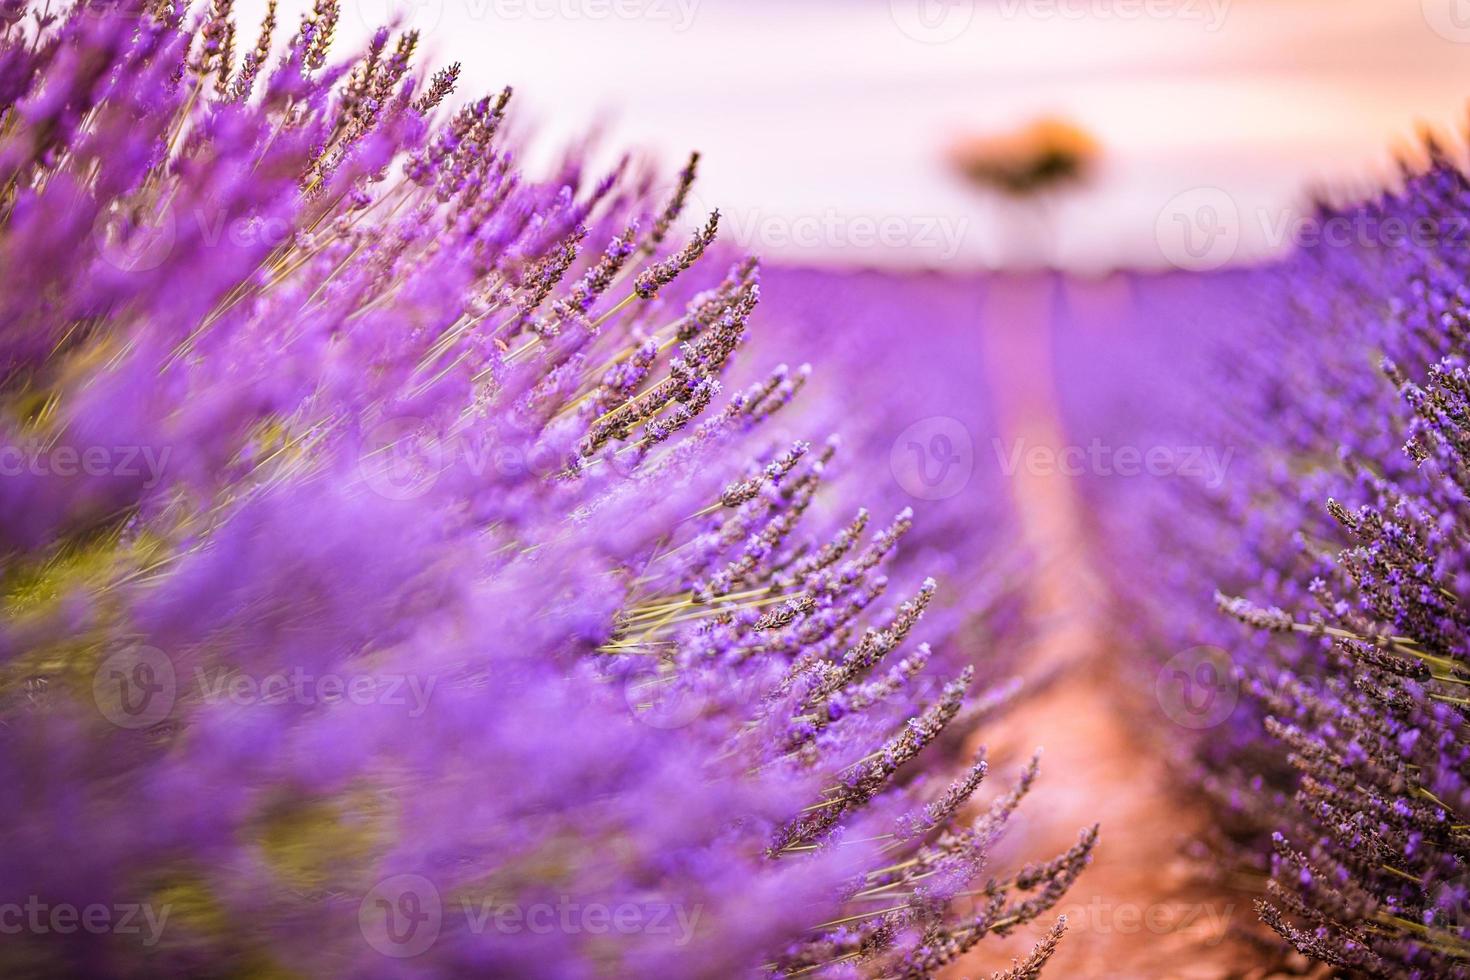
390,583
1307,616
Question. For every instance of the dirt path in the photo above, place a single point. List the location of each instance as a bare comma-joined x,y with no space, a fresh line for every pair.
1139,911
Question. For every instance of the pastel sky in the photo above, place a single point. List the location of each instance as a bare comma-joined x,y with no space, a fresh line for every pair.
825,125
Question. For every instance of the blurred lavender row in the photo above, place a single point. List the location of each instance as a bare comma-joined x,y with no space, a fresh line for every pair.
1302,622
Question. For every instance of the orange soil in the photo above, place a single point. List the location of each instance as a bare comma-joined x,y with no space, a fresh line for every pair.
1142,910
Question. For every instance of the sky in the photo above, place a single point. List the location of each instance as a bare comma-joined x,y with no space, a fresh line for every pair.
826,126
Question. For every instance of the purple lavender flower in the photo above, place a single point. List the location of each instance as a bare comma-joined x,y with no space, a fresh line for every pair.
399,580
1335,376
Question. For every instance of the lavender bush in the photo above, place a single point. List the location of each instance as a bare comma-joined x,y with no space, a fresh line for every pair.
390,586
1337,378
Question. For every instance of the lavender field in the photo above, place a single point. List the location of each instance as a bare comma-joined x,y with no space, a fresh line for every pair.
438,543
